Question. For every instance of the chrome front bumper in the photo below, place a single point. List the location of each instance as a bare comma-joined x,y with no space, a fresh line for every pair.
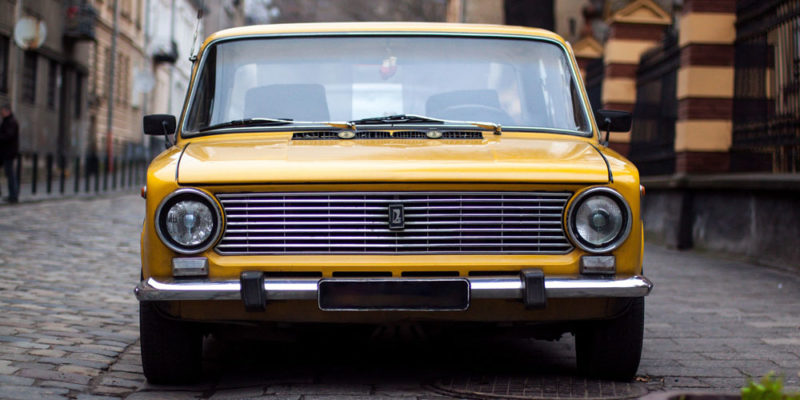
506,287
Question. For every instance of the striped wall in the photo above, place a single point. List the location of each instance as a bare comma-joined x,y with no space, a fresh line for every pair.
705,86
633,30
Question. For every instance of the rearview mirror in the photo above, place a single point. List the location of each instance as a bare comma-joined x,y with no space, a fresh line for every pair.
159,124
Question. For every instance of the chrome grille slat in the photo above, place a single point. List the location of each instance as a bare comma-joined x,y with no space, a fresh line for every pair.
422,245
373,208
397,238
357,223
229,232
412,223
388,201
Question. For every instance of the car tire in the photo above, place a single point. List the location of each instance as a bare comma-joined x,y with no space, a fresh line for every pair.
171,349
612,349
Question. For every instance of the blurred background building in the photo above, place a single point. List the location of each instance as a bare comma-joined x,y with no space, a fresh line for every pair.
714,86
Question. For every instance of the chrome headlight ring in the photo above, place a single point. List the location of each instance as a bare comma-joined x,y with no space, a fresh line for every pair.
617,239
188,195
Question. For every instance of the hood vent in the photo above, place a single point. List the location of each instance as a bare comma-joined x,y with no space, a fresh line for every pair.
334,135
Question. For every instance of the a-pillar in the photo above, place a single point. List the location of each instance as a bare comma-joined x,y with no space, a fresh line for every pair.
705,86
633,29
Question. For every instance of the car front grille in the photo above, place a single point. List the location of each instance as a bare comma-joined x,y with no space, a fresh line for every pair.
359,223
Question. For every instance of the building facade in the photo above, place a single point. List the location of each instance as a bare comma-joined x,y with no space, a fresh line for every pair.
46,83
115,112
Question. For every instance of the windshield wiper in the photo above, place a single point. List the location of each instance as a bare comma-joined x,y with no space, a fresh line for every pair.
398,119
249,122
413,119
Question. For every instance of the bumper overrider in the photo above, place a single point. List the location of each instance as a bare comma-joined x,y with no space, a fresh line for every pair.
530,287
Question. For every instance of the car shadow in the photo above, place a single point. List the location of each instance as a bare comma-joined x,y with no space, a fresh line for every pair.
387,357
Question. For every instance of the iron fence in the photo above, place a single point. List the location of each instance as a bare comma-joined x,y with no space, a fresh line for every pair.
766,121
595,73
39,174
656,110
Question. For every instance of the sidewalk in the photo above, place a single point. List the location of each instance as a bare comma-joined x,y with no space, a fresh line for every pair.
712,322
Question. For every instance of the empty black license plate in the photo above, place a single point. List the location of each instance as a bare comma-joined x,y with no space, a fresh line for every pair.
394,294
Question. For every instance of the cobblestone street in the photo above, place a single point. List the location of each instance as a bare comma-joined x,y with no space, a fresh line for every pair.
69,328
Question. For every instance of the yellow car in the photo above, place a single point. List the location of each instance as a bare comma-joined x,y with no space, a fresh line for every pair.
383,173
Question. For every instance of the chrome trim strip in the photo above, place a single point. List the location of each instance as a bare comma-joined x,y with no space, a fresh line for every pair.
504,287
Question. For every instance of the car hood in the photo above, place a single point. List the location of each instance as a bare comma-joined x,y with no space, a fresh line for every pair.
497,159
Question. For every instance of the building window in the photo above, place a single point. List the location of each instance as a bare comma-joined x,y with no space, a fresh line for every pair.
78,95
29,66
52,85
3,64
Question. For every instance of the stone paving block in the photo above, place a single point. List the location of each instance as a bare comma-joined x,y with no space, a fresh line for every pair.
119,382
121,366
792,341
72,360
15,380
110,391
76,369
10,392
340,397
47,353
237,394
719,372
54,375
93,397
66,385
320,389
730,384
165,395
34,365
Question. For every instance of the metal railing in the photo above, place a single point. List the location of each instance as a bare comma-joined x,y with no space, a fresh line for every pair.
48,174
656,109
595,73
766,108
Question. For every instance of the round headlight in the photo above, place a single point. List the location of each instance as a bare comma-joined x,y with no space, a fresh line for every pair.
188,221
599,220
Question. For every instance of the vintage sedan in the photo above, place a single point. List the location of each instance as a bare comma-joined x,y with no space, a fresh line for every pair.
384,173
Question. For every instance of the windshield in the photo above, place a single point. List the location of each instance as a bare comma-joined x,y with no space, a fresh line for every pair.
512,82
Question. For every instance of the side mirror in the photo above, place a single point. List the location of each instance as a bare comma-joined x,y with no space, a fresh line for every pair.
613,121
159,124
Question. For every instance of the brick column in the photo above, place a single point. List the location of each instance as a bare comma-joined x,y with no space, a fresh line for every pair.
705,86
633,30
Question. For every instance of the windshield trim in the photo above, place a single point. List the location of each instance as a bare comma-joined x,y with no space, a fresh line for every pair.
190,98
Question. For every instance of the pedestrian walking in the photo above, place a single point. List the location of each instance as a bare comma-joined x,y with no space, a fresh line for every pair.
9,150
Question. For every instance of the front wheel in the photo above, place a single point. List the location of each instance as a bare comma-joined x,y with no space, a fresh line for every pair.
612,349
171,349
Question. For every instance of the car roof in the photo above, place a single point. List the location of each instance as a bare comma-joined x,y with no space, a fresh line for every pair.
382,27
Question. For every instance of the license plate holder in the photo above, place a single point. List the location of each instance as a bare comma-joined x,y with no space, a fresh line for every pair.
403,294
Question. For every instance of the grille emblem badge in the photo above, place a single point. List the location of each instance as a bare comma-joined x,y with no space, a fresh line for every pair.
397,217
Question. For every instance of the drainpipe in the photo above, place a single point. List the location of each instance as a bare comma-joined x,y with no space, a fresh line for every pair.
146,96
16,60
111,71
172,66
